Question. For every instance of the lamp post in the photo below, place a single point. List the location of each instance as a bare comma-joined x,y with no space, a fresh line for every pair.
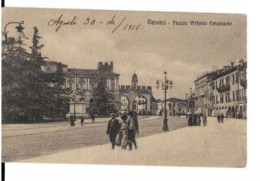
166,84
191,102
74,104
19,28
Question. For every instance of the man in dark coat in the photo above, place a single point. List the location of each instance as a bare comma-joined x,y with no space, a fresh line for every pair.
205,120
190,120
218,117
222,118
194,120
113,128
82,121
132,128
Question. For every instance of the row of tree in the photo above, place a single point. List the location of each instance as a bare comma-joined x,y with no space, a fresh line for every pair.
28,93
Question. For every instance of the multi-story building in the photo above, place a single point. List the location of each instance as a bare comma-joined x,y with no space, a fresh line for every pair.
229,90
223,91
204,94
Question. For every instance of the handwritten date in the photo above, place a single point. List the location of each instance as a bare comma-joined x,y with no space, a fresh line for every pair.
114,22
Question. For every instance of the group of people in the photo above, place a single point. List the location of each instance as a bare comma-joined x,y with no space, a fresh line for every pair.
195,119
122,132
220,118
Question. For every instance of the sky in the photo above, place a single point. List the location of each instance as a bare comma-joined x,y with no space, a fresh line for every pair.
185,52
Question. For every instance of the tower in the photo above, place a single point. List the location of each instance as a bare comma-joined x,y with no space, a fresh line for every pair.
134,81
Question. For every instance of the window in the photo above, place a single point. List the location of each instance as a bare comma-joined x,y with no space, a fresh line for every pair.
70,85
237,77
234,96
221,98
112,84
227,80
233,79
237,95
92,83
227,97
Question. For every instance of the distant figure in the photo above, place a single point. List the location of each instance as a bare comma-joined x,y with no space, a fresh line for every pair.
72,120
92,118
218,117
205,120
222,118
82,121
113,128
190,120
194,120
136,123
199,120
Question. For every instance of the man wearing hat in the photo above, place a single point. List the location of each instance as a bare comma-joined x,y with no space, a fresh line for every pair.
113,128
132,129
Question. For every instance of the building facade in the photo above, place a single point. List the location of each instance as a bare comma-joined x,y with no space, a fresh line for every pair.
229,91
174,107
223,91
204,94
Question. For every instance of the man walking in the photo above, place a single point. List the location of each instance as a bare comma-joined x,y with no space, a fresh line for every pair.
113,128
222,118
82,121
132,128
205,120
218,117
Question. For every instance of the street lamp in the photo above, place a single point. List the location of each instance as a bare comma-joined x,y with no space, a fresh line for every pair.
74,102
19,29
166,84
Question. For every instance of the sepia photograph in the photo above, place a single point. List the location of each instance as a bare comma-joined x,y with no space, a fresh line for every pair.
124,87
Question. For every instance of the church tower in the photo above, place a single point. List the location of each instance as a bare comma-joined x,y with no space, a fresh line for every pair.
134,81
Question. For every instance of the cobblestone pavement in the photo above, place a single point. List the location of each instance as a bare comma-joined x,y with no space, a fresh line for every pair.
216,145
22,141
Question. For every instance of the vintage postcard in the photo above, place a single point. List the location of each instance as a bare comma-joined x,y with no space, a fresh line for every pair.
124,87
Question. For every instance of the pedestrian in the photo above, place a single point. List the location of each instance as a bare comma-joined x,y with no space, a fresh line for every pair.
82,121
222,118
113,128
72,120
199,119
194,120
218,117
123,131
132,129
190,120
92,118
205,120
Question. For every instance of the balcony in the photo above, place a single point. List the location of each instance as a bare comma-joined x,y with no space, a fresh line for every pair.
224,88
243,83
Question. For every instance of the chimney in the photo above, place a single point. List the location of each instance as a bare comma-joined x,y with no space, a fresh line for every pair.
232,64
241,62
111,66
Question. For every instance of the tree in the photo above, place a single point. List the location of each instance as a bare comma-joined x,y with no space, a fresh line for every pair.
52,100
60,98
27,91
102,104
